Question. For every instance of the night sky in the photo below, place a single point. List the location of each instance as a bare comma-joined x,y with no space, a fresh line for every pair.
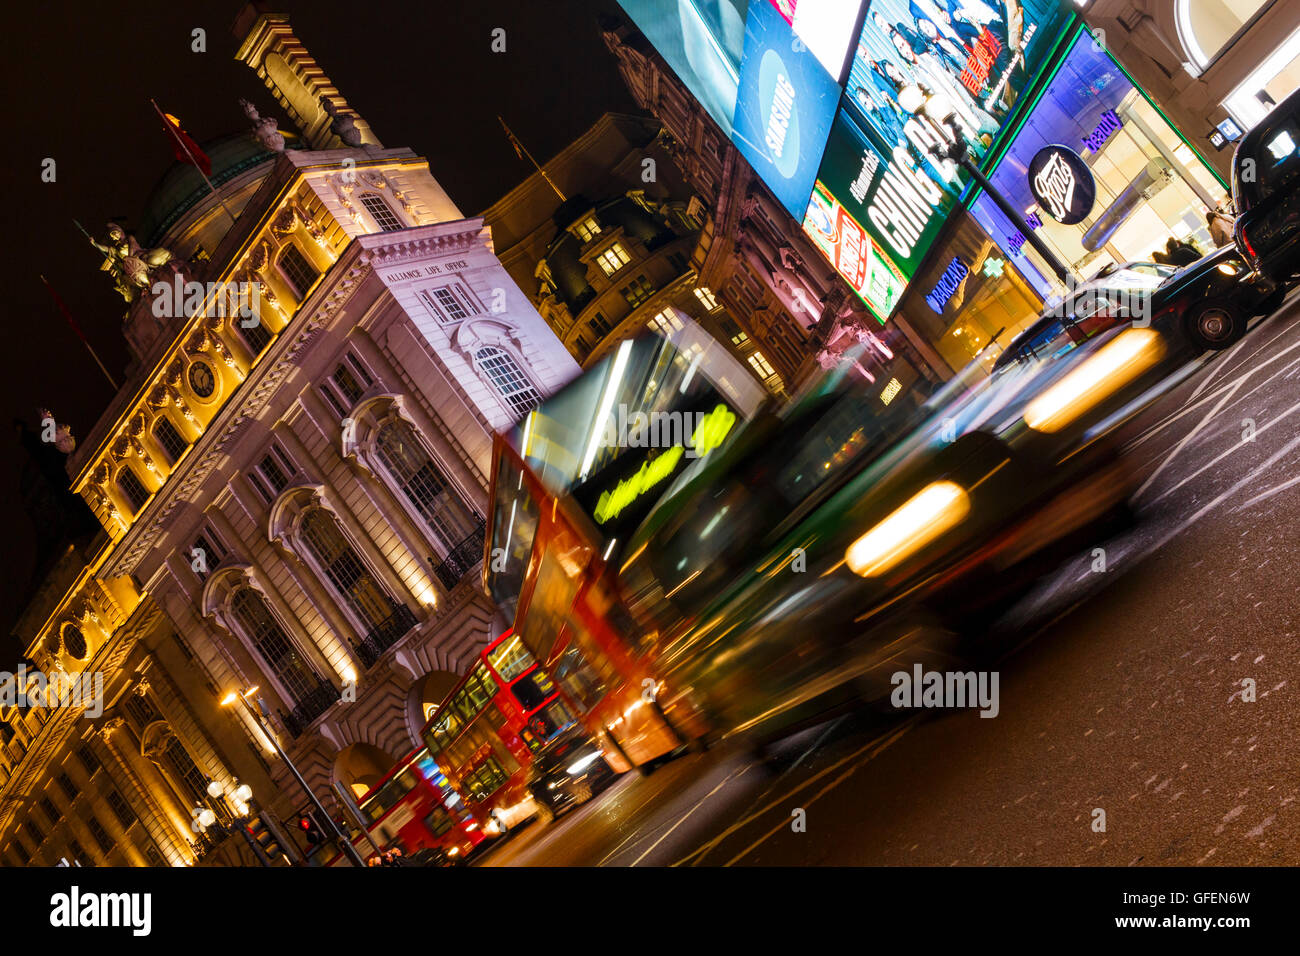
80,76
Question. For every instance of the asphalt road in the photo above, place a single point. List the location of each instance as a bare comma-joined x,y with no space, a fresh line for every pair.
1122,692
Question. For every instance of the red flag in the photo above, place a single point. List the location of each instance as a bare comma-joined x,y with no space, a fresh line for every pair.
67,314
183,147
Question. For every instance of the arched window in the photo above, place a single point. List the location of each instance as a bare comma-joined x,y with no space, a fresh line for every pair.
1205,27
423,484
297,270
75,642
263,631
169,439
508,378
345,570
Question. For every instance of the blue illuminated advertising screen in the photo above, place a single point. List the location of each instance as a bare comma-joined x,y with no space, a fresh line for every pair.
784,110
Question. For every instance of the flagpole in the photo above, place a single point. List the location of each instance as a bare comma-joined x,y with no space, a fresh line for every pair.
58,301
523,153
168,124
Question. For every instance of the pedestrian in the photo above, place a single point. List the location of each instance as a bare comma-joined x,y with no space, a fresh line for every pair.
1220,224
1159,257
1181,253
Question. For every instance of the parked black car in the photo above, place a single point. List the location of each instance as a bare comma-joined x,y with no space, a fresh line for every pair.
567,772
1266,192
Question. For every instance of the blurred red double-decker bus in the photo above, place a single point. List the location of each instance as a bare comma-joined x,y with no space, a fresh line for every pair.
415,808
484,734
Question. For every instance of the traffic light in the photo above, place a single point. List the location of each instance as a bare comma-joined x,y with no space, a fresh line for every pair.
267,837
311,830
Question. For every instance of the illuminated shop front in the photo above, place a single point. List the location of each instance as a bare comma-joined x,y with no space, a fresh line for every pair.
1151,186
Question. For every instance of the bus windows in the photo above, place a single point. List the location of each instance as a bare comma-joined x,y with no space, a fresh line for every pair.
484,780
511,659
532,691
551,600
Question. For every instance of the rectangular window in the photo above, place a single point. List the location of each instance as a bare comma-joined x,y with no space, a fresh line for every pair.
706,297
349,388
360,369
761,366
34,833
141,710
169,439
666,323
613,259
581,343
99,834
332,400
637,291
51,810
121,809
154,857
184,770
600,325
79,853
273,471
295,268
381,212
260,486
256,336
66,785
87,760
133,489
23,855
451,302
587,229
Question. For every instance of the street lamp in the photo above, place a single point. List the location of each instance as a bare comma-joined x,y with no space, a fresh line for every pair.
238,808
257,714
936,108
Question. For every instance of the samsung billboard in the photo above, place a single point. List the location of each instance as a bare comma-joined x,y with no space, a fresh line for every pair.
784,109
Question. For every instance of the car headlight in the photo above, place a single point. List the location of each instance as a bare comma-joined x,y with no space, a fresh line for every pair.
933,510
1227,268
1114,365
578,766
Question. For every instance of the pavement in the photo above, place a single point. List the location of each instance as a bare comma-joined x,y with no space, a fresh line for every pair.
1147,711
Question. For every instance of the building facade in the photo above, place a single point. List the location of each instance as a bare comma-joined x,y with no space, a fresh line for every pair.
603,237
784,296
291,490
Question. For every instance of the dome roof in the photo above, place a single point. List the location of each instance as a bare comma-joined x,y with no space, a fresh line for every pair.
182,186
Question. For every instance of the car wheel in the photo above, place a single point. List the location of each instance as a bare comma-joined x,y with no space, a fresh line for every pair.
1215,324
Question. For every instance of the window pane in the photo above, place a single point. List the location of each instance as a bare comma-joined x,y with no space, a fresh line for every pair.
343,567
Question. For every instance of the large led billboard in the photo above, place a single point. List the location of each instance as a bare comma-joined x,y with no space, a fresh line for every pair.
891,191
702,40
784,109
855,255
978,56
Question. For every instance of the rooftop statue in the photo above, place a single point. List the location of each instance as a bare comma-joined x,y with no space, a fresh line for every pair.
264,128
343,125
130,265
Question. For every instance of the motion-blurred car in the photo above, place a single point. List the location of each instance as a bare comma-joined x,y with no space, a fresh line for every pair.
567,772
1266,193
838,542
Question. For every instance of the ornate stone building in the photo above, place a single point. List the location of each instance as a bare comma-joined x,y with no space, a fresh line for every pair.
603,241
293,503
786,298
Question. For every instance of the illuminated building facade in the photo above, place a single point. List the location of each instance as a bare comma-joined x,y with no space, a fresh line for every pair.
604,240
291,499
